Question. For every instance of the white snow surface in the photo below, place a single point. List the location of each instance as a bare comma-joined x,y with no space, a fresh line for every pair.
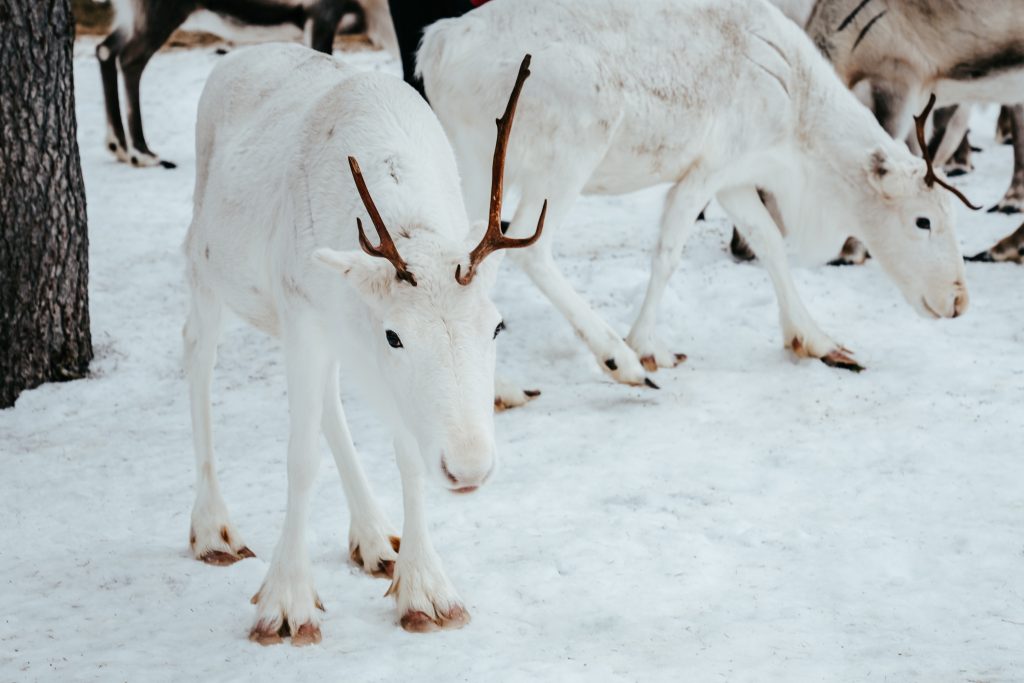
760,518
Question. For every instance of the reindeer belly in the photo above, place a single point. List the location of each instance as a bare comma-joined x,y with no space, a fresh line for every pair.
647,151
1004,86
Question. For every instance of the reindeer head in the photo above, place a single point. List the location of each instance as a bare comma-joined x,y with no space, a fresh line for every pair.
433,328
909,226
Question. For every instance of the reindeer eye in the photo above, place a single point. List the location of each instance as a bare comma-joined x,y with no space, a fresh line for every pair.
499,328
393,339
924,224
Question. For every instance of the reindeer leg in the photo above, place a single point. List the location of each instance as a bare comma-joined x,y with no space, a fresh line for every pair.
1013,200
372,542
612,353
106,53
1004,134
157,27
325,17
426,599
800,332
287,603
682,206
951,137
212,537
960,163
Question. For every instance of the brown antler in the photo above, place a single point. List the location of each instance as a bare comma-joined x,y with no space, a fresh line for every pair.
493,239
387,249
931,179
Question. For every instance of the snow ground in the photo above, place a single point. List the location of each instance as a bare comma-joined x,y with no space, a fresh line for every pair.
759,518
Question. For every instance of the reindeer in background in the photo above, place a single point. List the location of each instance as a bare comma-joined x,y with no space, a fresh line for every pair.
142,26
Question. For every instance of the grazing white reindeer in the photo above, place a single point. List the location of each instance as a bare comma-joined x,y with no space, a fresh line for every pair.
402,321
719,97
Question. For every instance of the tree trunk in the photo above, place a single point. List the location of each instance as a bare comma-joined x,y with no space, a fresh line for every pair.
44,246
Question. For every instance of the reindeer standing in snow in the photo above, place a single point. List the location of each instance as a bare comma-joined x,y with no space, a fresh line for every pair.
719,98
408,321
142,26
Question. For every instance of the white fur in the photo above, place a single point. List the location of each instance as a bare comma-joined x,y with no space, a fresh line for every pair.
719,97
273,238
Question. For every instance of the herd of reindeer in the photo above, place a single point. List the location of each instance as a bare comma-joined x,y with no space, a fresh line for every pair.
800,118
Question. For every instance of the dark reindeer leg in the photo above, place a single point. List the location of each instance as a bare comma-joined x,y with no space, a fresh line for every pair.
156,27
107,53
326,15
1004,136
739,248
961,163
1013,200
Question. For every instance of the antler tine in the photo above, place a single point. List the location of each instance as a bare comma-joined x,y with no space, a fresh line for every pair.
493,239
931,178
387,249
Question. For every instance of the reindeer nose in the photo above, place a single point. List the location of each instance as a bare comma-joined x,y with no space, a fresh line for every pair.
465,480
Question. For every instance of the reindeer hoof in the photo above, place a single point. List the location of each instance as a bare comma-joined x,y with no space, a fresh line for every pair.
385,569
421,622
308,634
219,558
841,358
171,164
1008,209
651,364
264,633
501,405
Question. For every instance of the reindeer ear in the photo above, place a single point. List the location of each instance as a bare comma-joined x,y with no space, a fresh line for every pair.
370,276
892,178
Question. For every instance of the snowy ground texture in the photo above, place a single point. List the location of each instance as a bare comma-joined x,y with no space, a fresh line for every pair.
759,518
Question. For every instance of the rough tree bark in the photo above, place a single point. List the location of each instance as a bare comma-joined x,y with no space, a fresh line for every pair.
44,246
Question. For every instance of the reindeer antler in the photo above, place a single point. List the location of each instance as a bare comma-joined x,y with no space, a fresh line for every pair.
931,179
387,249
493,239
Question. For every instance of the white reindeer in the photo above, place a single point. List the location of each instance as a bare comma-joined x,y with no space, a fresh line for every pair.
718,97
401,321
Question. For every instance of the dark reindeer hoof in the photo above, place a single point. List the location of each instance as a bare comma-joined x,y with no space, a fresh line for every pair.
611,364
219,558
168,164
840,358
650,383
